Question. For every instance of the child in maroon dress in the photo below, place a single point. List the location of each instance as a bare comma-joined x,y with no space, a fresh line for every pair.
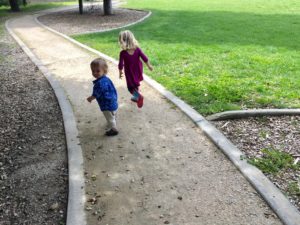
130,61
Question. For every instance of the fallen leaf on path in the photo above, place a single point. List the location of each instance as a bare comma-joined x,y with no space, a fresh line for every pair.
94,177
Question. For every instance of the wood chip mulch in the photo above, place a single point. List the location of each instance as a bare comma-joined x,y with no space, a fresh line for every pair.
251,135
33,159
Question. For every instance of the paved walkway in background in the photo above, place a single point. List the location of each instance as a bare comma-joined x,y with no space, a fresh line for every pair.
161,168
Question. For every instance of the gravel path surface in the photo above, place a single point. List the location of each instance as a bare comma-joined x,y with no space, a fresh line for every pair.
71,22
161,170
33,161
254,134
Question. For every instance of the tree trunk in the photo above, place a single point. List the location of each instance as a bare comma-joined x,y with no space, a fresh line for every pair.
14,5
80,6
107,6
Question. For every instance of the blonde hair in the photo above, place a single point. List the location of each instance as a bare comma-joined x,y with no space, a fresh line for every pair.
101,63
127,40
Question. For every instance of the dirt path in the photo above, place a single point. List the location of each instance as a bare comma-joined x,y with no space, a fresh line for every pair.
161,169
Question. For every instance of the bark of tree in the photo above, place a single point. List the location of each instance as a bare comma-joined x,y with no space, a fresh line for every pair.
80,2
107,6
14,5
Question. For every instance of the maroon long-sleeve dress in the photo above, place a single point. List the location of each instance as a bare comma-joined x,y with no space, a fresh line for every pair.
133,67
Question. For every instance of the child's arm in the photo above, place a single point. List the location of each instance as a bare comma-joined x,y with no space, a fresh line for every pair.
146,60
121,65
90,99
96,93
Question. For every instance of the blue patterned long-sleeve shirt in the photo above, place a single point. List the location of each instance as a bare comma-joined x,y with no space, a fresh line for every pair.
105,93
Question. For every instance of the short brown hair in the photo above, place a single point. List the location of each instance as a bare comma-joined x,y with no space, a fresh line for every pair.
101,63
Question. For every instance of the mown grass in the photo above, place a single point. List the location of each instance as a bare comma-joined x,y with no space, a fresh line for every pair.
5,10
219,55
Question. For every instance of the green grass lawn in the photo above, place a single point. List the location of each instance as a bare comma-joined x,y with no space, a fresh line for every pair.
219,54
5,10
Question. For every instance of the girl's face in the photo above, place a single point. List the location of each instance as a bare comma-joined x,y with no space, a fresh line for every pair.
97,71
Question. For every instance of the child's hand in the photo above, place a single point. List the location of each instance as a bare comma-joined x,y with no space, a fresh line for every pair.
120,74
90,99
150,67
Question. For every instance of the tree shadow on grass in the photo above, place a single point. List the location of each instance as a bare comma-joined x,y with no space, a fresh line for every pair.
220,27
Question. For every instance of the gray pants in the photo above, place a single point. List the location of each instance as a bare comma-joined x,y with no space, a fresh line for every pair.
110,117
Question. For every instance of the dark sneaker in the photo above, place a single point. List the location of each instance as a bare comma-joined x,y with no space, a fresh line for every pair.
140,101
111,132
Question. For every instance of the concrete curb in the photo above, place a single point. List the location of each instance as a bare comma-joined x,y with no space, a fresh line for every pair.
92,32
237,114
117,28
76,195
277,201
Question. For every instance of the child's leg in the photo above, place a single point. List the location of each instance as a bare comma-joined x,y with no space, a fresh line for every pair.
139,99
110,117
136,96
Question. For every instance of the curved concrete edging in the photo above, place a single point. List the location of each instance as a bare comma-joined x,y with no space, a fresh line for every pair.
68,8
76,195
116,28
237,114
277,201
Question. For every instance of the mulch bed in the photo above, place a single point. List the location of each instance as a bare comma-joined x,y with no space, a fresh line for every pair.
254,134
71,22
33,160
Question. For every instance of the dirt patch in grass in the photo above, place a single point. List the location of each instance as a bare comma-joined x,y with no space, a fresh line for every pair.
71,22
33,160
265,141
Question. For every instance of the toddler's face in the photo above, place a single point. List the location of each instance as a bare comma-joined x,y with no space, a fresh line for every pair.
97,71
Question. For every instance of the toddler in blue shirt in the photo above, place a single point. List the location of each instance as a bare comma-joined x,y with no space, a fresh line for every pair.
105,93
